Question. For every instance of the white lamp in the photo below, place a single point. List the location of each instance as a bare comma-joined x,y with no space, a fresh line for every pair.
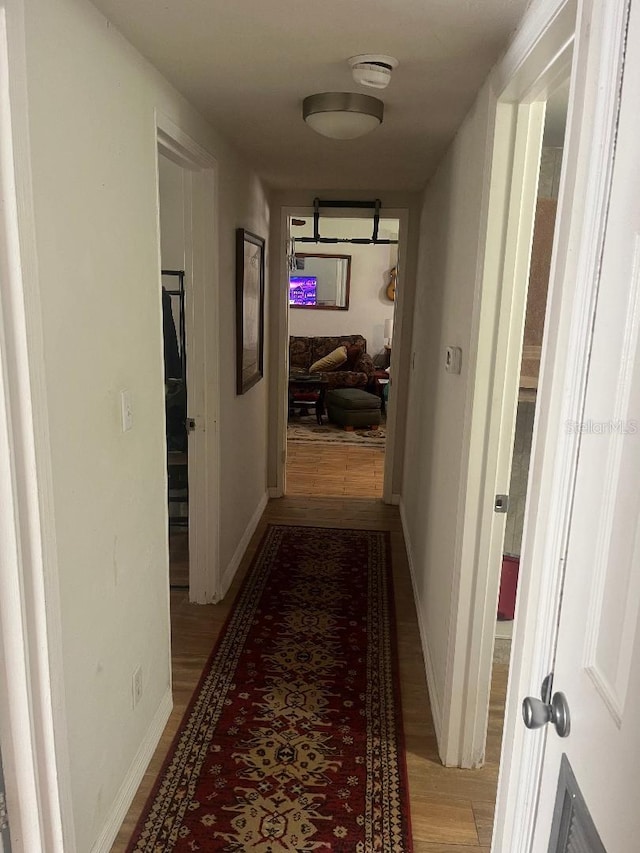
388,330
342,115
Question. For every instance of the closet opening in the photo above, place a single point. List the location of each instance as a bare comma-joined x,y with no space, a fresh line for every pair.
175,294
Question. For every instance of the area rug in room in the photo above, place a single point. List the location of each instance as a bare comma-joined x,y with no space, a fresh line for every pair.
293,740
308,430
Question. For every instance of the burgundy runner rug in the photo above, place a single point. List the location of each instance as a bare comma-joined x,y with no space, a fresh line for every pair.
293,740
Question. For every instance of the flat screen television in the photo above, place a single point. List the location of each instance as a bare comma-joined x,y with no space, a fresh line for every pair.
303,290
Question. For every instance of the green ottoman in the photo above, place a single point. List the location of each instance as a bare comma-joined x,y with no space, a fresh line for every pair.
351,407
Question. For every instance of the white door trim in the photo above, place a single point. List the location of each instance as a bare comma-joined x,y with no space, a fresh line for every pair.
203,359
33,729
582,214
282,360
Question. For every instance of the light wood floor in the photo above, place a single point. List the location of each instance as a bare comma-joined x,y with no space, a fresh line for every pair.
329,470
323,470
451,809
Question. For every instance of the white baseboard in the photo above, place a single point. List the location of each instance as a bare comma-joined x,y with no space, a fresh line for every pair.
275,492
133,778
232,568
434,699
396,500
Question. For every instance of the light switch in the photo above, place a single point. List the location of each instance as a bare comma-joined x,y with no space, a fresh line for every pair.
127,410
453,362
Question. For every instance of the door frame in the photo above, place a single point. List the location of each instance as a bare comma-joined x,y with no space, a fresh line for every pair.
574,282
281,300
538,59
203,357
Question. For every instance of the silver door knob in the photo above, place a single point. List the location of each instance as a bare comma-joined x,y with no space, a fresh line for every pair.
537,714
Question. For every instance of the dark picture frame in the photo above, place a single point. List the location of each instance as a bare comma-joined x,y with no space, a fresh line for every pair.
324,306
249,309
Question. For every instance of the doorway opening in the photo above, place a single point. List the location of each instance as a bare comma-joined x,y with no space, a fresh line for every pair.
174,294
188,294
340,312
537,192
532,339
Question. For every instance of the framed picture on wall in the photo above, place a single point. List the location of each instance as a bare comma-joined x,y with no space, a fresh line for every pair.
249,309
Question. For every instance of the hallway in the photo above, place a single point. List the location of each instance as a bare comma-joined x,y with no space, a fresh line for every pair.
94,92
451,809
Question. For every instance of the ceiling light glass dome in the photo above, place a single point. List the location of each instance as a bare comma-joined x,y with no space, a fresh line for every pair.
342,115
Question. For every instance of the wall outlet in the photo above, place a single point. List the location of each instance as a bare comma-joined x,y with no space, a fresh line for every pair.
126,406
136,686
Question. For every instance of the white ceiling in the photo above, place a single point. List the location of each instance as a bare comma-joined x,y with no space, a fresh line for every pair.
247,65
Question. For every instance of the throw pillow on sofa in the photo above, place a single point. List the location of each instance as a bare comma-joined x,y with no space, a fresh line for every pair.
330,362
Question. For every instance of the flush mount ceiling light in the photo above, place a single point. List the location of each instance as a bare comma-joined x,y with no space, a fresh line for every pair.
372,69
342,115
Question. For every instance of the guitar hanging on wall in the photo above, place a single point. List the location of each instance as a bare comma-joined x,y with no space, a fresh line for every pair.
391,287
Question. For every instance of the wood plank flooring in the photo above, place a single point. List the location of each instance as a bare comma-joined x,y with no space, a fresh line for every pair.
329,470
451,809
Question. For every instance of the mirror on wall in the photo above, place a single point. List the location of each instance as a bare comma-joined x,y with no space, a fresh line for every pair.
320,282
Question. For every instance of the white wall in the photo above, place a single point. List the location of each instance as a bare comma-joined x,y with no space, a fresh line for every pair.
435,456
369,306
93,158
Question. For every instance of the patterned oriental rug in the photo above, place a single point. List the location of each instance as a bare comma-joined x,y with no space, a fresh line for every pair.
293,740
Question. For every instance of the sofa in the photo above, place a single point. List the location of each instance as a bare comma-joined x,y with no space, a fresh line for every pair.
357,372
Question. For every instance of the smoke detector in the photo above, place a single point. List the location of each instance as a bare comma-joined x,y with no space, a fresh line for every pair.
372,69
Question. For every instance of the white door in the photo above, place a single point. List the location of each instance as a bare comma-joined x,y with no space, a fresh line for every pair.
598,652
